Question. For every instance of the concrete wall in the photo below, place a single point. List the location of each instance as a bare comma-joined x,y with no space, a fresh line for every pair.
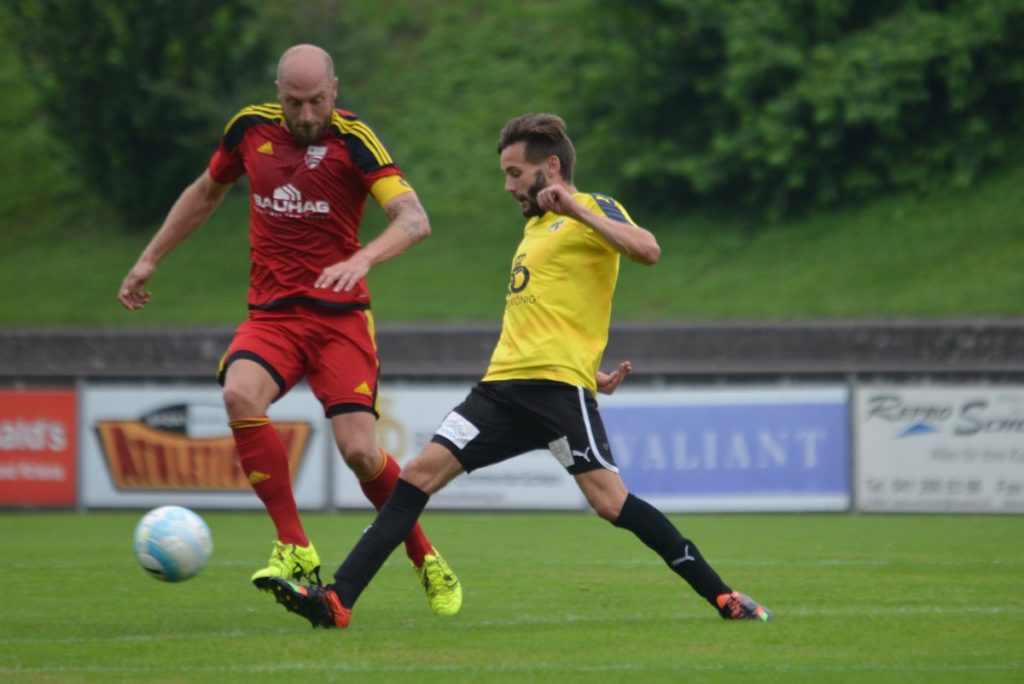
991,349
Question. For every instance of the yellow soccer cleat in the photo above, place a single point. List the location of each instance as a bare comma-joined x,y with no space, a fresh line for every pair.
290,562
442,586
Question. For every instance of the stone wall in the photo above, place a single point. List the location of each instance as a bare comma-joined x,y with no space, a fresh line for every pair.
981,348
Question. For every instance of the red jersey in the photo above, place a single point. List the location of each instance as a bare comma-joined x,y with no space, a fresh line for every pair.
305,201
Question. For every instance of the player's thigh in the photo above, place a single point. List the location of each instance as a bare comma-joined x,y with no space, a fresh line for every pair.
577,437
263,362
485,429
248,389
343,367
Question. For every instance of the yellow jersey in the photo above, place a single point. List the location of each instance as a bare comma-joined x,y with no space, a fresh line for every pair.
559,301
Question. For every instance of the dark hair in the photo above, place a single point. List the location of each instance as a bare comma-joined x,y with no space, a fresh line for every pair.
545,136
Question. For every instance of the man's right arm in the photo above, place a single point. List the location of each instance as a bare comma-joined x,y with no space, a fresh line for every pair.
409,225
190,211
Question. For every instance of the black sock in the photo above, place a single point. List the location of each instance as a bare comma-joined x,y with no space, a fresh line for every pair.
393,523
656,531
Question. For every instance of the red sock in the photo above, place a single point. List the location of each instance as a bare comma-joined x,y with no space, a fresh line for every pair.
264,460
378,488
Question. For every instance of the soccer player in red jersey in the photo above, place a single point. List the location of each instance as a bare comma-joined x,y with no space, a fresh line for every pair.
311,168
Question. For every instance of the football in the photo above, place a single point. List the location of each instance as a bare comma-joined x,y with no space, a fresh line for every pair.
172,543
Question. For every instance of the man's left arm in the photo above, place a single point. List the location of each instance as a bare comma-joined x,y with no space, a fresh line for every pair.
636,243
609,382
409,225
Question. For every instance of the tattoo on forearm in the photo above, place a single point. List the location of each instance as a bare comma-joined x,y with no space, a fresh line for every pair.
407,215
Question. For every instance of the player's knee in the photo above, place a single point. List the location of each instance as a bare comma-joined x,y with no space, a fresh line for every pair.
606,495
431,469
607,508
362,459
241,404
418,472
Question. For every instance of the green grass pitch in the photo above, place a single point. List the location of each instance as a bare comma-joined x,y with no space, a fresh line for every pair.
548,598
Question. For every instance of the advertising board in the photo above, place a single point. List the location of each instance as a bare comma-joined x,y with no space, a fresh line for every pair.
748,449
38,443
147,445
954,448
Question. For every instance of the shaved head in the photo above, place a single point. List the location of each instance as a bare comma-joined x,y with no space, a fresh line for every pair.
305,66
306,89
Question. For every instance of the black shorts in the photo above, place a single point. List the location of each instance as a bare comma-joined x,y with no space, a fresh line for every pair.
499,420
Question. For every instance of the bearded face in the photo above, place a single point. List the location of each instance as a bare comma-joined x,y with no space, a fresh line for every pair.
532,208
523,179
307,120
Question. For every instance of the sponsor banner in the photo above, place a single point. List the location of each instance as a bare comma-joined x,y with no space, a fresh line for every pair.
409,417
956,448
145,445
750,449
37,448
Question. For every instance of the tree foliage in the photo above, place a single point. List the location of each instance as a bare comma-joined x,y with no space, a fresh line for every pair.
134,89
776,105
769,105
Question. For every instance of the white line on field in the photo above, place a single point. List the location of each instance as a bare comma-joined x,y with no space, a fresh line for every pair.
369,668
830,610
641,560
645,559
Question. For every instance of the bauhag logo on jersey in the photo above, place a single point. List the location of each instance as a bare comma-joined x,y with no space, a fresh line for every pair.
287,201
175,448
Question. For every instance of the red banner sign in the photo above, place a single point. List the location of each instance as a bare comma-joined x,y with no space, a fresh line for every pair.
144,458
38,443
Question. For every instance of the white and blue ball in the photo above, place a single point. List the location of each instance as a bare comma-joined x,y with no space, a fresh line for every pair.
172,543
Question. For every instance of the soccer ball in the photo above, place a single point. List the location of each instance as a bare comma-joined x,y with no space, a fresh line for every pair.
172,543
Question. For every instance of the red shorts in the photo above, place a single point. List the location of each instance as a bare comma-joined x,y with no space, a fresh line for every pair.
334,350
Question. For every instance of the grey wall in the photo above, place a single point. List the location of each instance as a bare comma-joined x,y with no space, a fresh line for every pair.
990,349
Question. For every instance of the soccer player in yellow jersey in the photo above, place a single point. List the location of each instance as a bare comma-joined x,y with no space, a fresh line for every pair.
539,390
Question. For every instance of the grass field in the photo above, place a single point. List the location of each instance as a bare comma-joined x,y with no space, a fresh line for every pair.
548,598
955,256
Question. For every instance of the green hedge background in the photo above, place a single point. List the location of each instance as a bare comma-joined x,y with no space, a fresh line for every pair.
796,158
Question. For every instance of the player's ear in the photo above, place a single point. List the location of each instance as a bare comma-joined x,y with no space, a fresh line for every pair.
553,167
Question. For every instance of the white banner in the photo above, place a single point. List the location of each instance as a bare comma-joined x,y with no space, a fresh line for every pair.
942,448
149,445
409,417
